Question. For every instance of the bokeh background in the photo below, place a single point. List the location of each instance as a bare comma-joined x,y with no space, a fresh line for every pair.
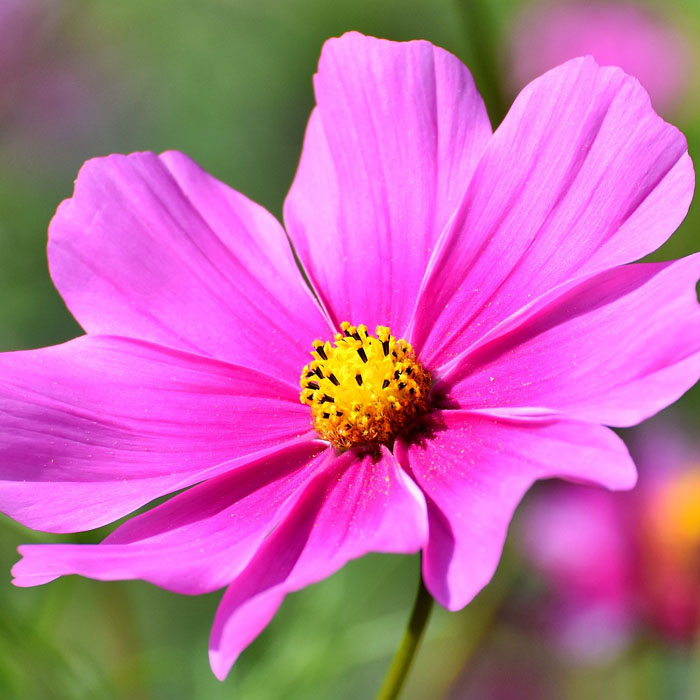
229,82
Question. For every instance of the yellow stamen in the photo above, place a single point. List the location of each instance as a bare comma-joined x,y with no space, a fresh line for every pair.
364,389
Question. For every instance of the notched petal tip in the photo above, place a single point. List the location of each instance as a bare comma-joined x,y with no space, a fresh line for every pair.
33,566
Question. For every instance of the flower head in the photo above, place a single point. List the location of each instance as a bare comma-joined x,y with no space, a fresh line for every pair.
507,330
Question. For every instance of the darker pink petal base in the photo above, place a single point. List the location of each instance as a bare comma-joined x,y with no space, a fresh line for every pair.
351,507
196,542
99,426
475,468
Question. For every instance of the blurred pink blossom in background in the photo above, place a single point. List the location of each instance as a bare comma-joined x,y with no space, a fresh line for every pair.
620,564
617,33
57,93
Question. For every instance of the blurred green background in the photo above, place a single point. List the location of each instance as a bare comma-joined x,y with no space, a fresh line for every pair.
229,82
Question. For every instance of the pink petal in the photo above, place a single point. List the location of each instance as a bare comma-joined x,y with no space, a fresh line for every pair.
475,468
197,541
351,507
153,247
581,176
615,348
99,426
389,150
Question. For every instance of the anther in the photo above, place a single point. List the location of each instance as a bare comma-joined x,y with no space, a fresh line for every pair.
364,389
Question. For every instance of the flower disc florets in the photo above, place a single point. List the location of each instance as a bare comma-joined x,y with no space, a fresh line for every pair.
364,389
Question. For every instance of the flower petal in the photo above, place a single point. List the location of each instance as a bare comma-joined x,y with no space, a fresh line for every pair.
475,468
389,150
99,426
195,542
351,507
615,348
581,176
155,248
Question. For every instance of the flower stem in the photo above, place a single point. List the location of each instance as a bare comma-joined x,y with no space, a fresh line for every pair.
400,665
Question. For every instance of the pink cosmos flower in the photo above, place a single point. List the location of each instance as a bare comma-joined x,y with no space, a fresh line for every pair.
500,257
620,563
614,33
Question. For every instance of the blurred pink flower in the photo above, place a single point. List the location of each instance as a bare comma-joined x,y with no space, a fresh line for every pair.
55,94
502,259
622,34
506,667
618,563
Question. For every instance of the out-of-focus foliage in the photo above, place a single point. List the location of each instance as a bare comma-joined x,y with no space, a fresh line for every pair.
229,82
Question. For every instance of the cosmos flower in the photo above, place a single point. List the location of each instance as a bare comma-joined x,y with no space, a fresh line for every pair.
496,329
623,34
617,565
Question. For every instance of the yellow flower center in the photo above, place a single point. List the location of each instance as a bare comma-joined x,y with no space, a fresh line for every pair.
364,389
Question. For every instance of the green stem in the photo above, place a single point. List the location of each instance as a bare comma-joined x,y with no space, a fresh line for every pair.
396,675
